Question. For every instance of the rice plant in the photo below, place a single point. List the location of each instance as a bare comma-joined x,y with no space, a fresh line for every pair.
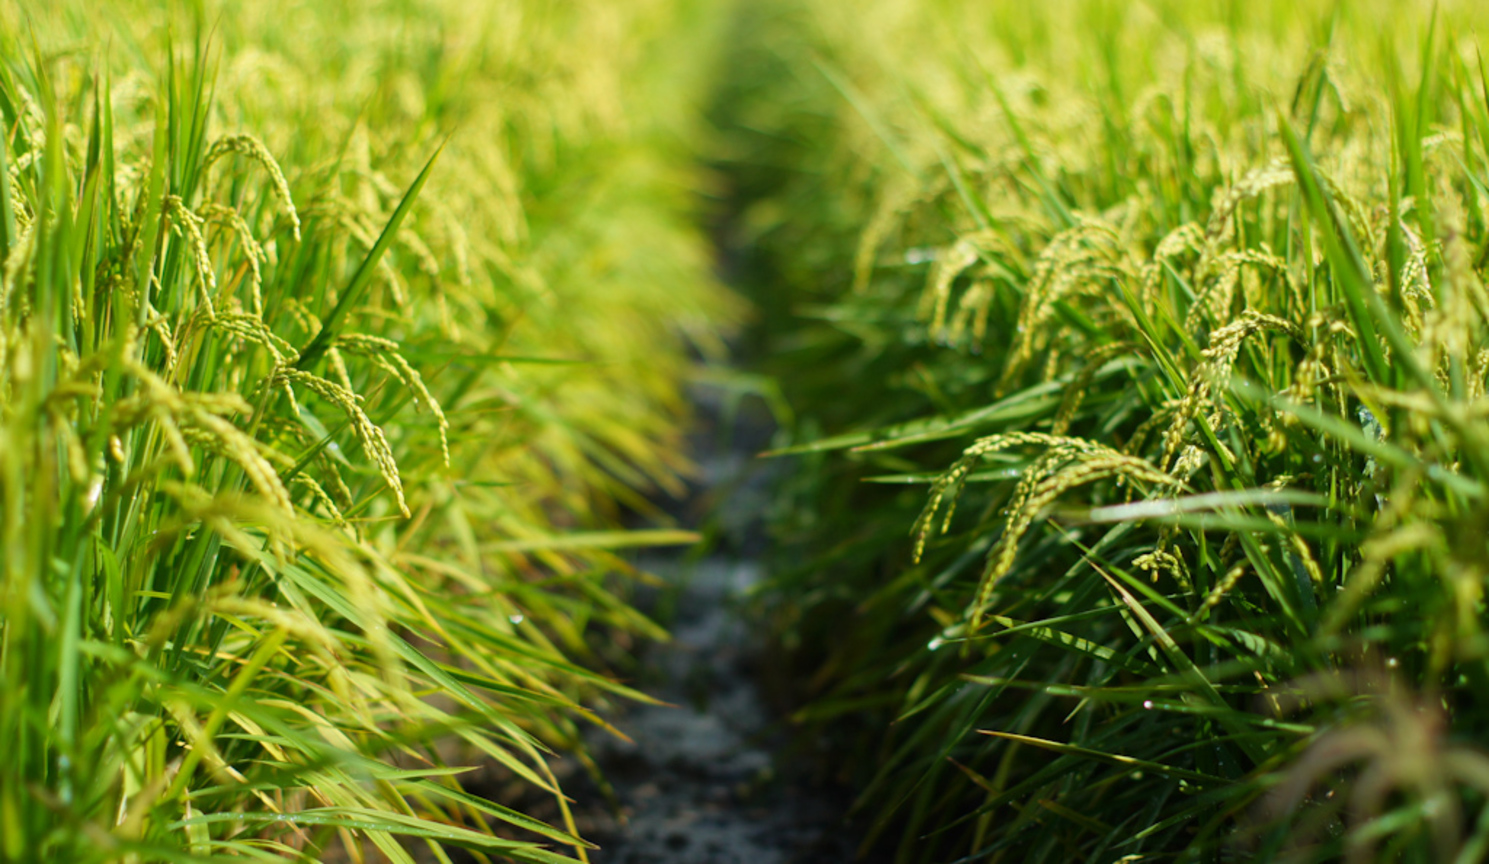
329,355
1139,498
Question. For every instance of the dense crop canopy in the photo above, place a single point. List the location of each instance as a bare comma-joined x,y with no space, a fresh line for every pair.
331,347
1177,311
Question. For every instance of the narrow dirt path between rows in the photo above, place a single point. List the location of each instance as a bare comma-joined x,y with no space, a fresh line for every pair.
710,777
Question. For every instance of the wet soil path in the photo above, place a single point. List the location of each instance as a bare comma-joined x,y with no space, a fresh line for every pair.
713,777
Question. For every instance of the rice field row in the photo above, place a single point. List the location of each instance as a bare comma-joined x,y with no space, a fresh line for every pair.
1139,352
335,338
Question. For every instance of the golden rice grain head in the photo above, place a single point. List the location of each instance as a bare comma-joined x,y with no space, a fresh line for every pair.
210,432
1226,585
322,497
373,441
950,263
1084,469
1083,255
338,367
326,468
186,222
252,328
254,149
1318,364
1224,271
948,487
1187,238
252,251
1215,366
308,320
972,314
158,324
1161,561
1278,172
384,353
17,269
